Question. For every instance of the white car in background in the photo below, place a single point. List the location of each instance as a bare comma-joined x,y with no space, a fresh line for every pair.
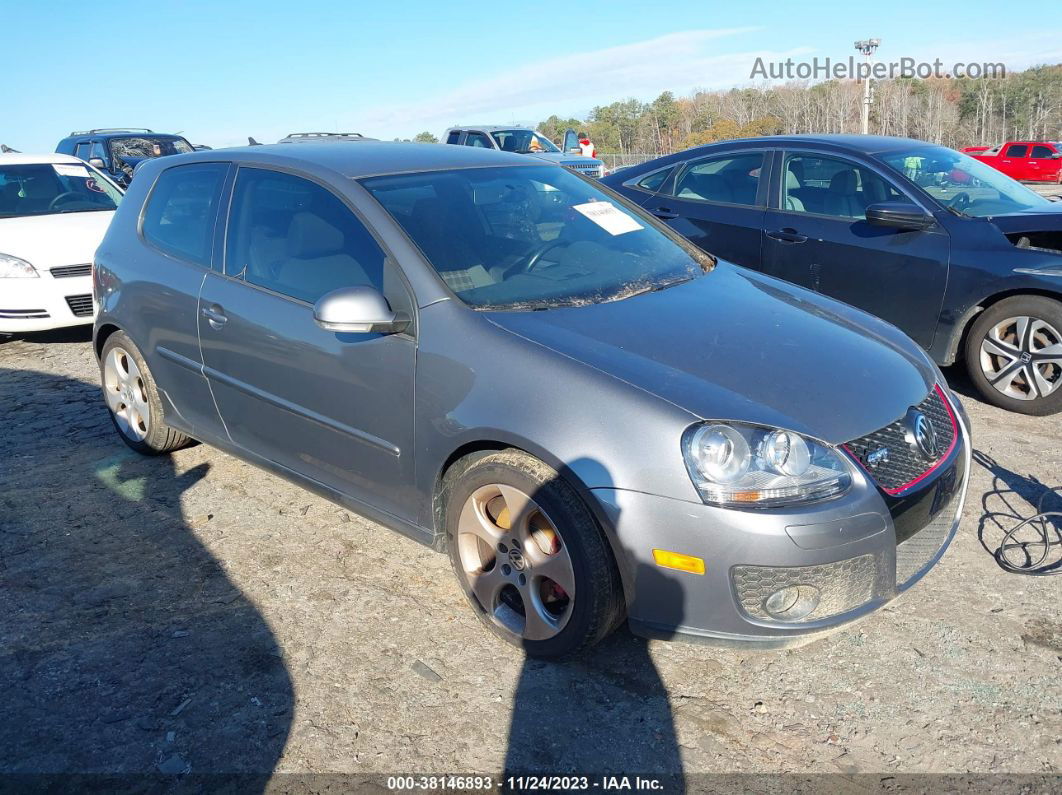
54,210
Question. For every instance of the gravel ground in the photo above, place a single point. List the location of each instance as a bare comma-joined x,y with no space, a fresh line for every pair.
194,613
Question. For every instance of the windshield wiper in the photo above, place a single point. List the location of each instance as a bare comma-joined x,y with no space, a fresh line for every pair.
652,288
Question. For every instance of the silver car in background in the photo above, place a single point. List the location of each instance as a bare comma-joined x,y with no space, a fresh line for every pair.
508,362
523,141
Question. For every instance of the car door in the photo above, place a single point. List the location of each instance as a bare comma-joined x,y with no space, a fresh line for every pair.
336,408
816,235
1016,161
1043,164
718,202
177,229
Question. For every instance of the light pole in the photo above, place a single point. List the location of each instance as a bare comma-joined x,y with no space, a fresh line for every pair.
867,47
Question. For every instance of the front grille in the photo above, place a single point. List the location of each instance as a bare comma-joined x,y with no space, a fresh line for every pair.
23,314
901,463
843,586
588,169
915,553
66,271
80,305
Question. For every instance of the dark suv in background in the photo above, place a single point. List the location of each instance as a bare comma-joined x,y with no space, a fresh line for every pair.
119,151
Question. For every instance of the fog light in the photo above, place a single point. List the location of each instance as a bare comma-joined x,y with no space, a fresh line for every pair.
792,603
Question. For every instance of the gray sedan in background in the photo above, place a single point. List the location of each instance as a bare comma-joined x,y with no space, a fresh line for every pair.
506,361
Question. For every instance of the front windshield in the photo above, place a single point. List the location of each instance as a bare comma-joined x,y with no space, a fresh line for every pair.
48,188
962,183
139,147
523,142
534,237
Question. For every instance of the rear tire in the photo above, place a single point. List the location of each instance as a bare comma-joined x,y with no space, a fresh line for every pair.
133,399
1014,354
506,560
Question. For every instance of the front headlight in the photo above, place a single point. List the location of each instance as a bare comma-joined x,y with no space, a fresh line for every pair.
15,268
747,466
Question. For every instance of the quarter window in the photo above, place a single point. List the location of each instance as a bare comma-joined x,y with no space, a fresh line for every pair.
294,237
734,179
831,186
654,181
180,214
1017,150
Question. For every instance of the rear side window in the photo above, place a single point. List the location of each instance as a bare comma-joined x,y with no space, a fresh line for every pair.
182,209
296,238
478,139
1017,150
1041,152
733,179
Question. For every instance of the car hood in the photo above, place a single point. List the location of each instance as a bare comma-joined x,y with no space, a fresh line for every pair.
1034,219
736,345
567,160
45,241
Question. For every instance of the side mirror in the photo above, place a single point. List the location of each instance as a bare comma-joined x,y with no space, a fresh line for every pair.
96,162
358,310
903,216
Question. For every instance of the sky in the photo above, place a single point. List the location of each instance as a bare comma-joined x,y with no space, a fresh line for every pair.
220,71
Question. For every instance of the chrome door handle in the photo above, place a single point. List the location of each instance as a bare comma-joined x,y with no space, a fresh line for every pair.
214,315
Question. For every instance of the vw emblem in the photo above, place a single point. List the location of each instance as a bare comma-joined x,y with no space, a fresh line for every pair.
516,559
920,434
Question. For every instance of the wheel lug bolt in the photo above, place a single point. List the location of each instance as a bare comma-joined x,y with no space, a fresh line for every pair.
515,543
502,548
506,569
523,580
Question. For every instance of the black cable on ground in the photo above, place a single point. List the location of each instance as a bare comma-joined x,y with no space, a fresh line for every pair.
1050,536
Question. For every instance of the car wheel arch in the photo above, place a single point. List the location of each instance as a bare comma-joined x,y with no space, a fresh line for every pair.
961,331
103,332
485,446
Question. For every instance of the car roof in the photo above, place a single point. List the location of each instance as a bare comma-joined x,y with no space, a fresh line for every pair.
492,127
29,158
860,143
101,134
368,158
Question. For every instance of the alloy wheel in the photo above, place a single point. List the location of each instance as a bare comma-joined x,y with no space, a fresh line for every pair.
515,562
123,386
1022,357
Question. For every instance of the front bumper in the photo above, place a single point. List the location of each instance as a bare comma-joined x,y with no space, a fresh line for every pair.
41,304
847,548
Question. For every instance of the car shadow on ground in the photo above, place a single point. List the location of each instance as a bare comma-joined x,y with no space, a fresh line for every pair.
126,648
1012,499
606,713
71,334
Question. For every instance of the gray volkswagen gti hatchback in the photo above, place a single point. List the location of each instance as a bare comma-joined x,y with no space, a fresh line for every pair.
506,361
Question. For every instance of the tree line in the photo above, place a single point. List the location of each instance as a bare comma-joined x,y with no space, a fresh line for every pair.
952,112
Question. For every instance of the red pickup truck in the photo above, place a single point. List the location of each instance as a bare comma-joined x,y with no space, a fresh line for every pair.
1034,161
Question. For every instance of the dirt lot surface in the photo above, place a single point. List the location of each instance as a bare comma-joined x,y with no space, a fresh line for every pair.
192,613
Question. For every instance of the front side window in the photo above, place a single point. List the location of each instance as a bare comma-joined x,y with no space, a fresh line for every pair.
296,238
534,237
51,188
1017,150
960,182
523,142
832,186
733,179
453,137
182,209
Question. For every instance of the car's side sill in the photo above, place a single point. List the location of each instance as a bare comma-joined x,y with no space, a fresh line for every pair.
413,531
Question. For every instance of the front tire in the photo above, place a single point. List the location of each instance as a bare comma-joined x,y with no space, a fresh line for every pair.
133,399
530,558
1014,354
